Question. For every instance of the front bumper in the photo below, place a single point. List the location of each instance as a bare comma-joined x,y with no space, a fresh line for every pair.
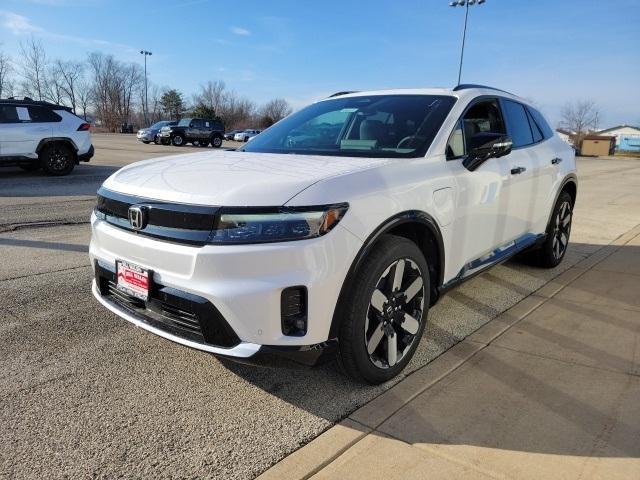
243,283
146,137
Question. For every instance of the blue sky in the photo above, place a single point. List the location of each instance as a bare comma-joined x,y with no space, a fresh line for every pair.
548,51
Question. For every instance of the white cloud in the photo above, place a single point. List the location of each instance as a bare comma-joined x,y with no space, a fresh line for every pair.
240,31
20,25
17,24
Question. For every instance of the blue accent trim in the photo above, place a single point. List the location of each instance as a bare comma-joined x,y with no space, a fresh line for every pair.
494,257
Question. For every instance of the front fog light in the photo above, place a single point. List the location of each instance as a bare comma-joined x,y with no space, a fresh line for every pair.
293,311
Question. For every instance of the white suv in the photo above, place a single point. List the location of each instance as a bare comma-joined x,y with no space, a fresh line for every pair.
336,229
36,135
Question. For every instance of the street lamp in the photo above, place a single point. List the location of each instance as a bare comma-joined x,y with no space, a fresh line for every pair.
466,4
146,100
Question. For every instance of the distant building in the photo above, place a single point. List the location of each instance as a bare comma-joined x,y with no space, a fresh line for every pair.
627,137
597,145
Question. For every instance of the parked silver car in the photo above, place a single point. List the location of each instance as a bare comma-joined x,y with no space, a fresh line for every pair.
245,135
148,135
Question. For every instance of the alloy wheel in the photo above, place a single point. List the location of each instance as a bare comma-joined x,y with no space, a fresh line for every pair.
58,159
395,313
562,229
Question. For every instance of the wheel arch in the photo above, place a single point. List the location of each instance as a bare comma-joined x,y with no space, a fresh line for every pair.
415,225
46,141
570,185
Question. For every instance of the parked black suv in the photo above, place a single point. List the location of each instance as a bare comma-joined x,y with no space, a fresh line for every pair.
193,130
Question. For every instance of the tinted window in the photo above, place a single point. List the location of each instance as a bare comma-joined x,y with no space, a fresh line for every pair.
41,114
370,126
8,114
518,124
547,131
535,130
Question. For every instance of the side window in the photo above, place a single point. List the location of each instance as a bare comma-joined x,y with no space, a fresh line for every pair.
547,131
535,130
482,117
197,123
40,115
518,123
8,114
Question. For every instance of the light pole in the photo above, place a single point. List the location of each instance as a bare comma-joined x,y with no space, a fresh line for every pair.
146,99
466,4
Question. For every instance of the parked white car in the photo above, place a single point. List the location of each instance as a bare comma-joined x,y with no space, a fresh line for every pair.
335,230
36,135
245,135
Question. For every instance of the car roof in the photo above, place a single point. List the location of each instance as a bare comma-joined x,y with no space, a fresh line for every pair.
463,91
29,102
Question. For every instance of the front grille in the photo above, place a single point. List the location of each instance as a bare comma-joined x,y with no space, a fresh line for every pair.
179,313
178,222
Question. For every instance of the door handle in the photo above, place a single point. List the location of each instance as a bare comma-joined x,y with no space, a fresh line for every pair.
556,161
517,170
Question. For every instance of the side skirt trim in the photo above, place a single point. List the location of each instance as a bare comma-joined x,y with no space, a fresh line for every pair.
495,257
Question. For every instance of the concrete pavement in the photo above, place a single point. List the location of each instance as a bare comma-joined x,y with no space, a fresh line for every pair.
548,389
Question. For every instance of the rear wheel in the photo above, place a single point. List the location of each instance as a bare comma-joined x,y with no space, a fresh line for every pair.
57,159
216,141
178,140
385,312
554,248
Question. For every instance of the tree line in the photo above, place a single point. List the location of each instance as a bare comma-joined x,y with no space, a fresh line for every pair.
112,92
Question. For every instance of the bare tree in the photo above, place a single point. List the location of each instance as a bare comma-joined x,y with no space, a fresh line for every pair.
68,75
83,91
33,68
580,117
52,89
213,94
6,69
274,111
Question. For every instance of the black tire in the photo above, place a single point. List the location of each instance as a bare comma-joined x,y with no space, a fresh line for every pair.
30,167
203,143
57,159
178,140
363,315
216,141
554,248
157,140
145,142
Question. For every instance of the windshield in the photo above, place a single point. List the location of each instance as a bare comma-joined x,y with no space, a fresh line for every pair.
377,125
159,125
184,122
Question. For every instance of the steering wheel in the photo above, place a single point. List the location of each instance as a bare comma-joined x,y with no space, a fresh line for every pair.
406,140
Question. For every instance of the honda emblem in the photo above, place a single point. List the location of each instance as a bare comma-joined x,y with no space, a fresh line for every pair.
137,217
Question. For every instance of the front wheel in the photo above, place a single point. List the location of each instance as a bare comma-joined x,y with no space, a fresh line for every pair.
178,140
156,140
554,248
385,311
57,159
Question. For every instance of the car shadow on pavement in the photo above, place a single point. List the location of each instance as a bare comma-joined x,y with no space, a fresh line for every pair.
62,247
545,414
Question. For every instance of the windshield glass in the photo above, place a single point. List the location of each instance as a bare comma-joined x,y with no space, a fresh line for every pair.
377,125
159,125
184,122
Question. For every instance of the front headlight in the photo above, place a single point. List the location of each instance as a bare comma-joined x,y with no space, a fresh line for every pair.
263,225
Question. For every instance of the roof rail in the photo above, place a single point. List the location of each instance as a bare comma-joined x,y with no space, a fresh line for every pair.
42,103
338,94
465,86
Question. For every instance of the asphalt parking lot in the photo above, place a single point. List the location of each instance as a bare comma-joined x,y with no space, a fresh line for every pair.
84,393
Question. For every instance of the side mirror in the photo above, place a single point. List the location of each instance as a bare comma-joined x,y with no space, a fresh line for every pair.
486,145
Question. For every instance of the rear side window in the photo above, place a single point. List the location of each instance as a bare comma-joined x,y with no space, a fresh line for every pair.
535,130
41,114
518,123
547,131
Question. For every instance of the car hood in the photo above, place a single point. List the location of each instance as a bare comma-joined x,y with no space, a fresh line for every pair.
232,178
